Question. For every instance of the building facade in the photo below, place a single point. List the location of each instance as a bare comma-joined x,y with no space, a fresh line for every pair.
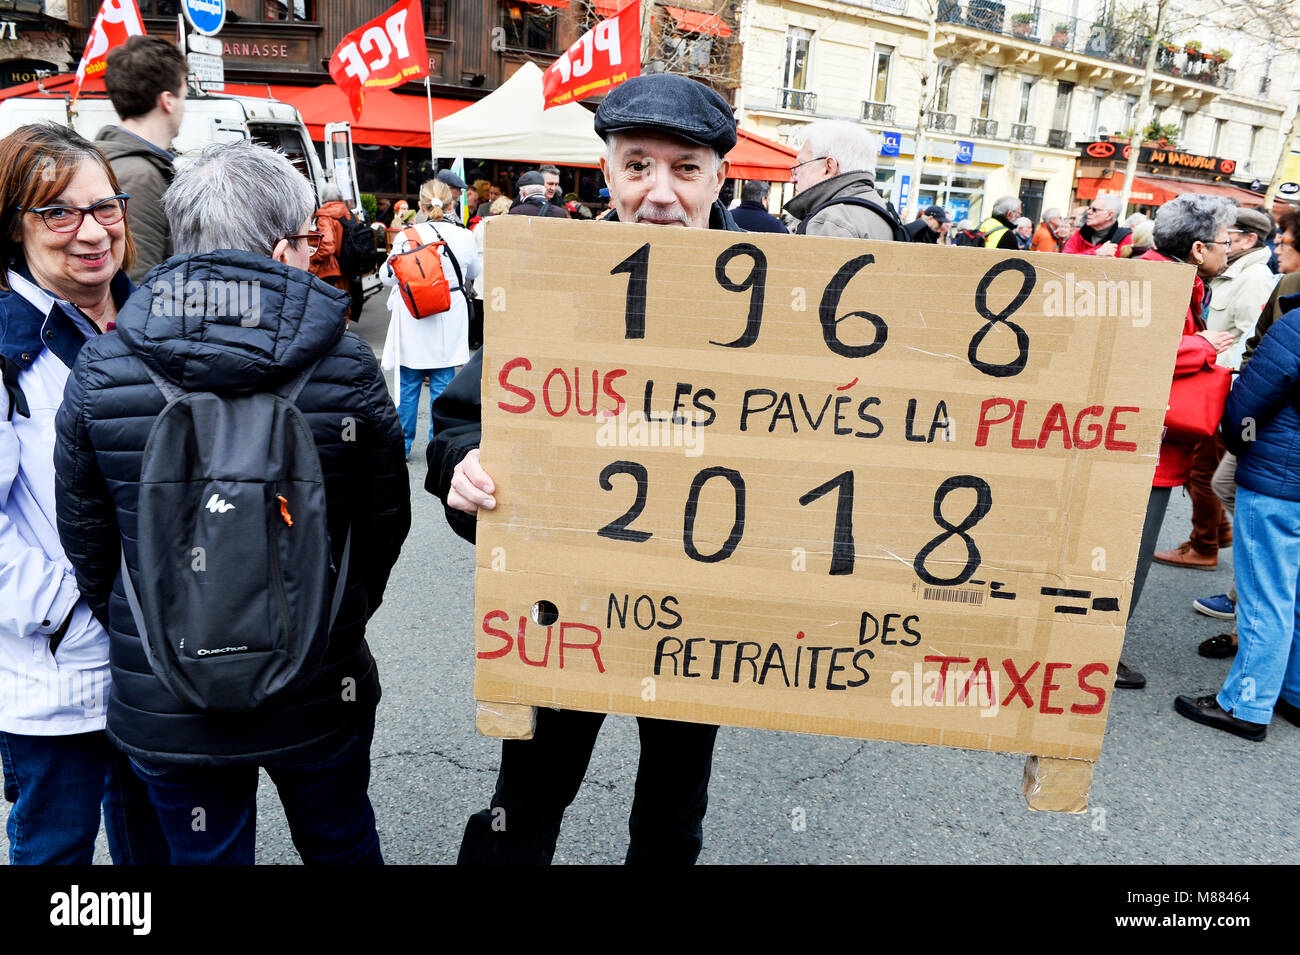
1013,91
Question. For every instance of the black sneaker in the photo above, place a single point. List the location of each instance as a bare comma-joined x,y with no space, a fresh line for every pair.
1126,679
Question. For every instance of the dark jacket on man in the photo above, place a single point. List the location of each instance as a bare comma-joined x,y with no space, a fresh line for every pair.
752,217
843,219
108,410
536,206
144,172
920,231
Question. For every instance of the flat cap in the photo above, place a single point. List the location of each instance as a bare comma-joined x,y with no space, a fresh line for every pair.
449,178
530,178
1256,221
672,104
938,212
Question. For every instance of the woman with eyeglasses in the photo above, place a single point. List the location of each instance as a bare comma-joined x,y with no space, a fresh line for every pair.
65,244
1192,229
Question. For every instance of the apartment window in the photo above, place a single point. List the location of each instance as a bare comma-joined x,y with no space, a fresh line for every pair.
1130,112
1220,125
528,26
1026,100
1254,141
988,82
1184,122
1061,112
880,82
1094,115
435,18
941,89
797,42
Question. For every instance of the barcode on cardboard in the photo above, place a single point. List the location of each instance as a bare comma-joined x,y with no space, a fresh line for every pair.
953,596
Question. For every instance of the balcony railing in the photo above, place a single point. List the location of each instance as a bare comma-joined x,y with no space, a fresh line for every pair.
1059,138
801,100
1029,23
987,128
942,122
1023,133
877,113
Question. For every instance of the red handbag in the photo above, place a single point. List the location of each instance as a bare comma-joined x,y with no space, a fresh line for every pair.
1196,404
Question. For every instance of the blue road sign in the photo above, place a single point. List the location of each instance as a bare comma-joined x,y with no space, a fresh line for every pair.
205,16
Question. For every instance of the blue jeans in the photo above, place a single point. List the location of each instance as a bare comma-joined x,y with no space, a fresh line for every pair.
57,785
408,412
1267,563
209,813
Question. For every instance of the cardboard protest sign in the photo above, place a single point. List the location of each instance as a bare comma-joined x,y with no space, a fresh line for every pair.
863,489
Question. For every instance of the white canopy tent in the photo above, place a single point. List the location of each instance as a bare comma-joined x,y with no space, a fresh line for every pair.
509,123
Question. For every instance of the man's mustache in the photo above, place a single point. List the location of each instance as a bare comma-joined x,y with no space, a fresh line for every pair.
651,210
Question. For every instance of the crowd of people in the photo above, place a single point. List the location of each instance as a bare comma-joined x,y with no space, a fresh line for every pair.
117,398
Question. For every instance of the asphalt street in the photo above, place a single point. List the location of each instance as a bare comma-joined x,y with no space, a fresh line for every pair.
1165,790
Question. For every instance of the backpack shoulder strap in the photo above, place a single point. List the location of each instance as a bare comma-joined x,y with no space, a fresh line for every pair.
13,390
460,278
885,212
170,390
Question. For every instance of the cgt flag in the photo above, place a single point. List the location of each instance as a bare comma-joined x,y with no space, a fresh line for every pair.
605,56
387,51
117,20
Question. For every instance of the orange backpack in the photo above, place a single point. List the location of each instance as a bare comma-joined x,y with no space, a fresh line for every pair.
420,280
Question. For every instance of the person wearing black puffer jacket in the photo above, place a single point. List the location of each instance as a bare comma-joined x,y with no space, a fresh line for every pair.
315,744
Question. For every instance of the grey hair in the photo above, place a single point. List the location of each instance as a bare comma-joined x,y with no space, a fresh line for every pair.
611,146
1005,205
1022,222
1136,219
854,148
534,190
1108,201
1189,218
1051,214
236,176
330,193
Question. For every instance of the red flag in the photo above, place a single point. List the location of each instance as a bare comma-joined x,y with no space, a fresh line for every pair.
605,56
387,51
117,20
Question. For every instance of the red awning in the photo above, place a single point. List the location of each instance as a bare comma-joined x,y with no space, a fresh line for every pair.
562,4
387,119
607,8
754,157
58,86
1156,190
692,21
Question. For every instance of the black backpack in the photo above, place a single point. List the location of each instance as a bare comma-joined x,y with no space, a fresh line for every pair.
357,254
972,237
886,212
234,605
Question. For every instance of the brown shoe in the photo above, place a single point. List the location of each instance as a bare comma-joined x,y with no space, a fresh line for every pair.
1184,555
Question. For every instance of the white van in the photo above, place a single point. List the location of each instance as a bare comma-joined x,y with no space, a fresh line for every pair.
209,118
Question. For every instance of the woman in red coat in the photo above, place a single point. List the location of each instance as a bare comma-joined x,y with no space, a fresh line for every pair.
1193,229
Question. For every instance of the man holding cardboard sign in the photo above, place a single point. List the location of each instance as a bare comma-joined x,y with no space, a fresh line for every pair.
665,138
